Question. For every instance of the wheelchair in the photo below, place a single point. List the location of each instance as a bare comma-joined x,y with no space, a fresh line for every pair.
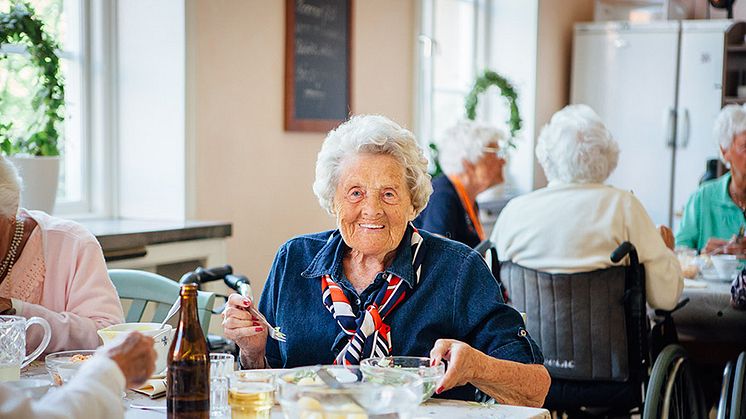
597,341
238,283
732,404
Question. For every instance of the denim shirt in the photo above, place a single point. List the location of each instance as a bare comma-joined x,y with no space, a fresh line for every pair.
456,298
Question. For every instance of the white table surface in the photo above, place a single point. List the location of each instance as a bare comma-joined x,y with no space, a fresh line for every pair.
434,408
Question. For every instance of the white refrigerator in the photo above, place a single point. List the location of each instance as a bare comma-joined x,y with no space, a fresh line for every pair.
658,87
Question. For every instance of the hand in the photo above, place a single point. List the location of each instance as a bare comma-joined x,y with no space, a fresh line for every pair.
135,356
246,330
667,236
6,306
462,359
735,246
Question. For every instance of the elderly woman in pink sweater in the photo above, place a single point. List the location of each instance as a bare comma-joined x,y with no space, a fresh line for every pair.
54,269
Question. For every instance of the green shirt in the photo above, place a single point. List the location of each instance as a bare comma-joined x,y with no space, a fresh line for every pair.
709,213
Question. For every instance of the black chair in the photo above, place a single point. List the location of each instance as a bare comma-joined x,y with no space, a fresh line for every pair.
594,332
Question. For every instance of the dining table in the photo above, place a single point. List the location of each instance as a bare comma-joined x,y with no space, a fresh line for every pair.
140,406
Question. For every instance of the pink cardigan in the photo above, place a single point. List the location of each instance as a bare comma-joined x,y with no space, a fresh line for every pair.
78,297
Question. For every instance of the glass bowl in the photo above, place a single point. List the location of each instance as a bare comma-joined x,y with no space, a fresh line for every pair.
417,365
303,394
62,366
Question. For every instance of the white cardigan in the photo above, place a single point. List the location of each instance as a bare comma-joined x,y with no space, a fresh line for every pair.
94,393
566,228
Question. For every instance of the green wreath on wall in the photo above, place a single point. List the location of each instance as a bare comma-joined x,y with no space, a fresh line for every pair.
481,84
19,25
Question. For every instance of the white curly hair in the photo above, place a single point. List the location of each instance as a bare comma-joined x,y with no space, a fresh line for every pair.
576,147
730,122
10,188
465,141
373,134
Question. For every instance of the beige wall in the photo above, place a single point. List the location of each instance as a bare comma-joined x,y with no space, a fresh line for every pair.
245,168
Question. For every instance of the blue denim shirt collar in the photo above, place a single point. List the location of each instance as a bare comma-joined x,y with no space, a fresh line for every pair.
328,261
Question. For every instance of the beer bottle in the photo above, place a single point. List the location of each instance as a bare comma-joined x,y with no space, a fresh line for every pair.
188,377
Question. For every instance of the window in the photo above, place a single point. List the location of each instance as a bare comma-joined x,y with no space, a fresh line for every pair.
65,20
453,45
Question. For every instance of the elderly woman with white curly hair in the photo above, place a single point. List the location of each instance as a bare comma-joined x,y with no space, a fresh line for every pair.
54,269
377,286
468,156
715,212
574,223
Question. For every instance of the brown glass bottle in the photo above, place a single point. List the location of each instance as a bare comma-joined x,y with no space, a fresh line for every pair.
188,377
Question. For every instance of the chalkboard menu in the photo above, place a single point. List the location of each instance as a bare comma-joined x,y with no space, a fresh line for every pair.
317,64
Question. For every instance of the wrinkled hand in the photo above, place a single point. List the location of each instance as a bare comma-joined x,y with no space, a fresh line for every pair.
667,236
734,246
462,359
243,328
135,356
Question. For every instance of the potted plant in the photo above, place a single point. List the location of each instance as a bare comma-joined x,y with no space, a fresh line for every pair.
34,149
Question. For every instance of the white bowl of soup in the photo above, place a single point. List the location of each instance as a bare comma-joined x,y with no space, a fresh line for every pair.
163,337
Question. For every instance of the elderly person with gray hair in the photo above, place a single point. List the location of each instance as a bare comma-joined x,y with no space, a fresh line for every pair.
468,155
574,223
377,286
54,269
715,212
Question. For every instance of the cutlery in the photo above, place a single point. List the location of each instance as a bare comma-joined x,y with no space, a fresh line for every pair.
171,311
333,383
274,332
147,407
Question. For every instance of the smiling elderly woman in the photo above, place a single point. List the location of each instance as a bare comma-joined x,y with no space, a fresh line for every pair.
376,286
574,223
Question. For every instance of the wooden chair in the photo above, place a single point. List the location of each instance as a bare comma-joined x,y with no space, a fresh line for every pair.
143,287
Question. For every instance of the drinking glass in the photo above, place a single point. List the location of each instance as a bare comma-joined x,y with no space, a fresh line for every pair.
13,345
221,367
251,394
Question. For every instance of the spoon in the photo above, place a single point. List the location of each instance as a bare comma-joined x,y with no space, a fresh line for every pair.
171,311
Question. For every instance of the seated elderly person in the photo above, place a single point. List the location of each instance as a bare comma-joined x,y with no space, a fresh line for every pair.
54,269
377,286
574,223
467,153
96,390
714,214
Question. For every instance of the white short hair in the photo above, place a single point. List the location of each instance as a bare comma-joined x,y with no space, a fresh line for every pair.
576,147
465,141
373,134
730,122
10,188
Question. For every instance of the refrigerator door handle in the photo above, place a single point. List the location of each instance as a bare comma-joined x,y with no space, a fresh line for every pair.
685,129
670,127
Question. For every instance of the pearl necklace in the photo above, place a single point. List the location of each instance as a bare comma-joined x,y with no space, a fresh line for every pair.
10,257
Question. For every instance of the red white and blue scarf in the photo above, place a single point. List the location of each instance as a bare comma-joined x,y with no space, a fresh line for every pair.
369,335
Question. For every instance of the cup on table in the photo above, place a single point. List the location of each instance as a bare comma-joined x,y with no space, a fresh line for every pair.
251,394
13,345
221,368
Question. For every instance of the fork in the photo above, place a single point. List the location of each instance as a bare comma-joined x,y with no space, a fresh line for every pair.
274,332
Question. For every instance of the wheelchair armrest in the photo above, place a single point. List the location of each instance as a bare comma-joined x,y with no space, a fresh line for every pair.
668,313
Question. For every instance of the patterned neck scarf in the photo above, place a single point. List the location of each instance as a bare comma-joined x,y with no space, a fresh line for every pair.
369,335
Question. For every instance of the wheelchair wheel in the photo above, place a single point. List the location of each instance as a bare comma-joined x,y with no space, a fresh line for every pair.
672,392
725,390
738,401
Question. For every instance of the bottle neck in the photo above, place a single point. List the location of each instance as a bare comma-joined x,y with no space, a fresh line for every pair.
189,317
